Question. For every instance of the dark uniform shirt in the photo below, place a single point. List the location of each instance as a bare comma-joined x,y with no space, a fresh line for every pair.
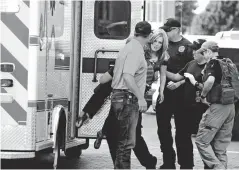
213,68
180,54
190,91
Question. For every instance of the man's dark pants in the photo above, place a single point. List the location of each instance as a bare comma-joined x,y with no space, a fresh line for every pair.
173,104
141,150
124,115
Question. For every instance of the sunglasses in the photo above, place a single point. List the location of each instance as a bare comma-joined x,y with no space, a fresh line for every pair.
170,29
201,51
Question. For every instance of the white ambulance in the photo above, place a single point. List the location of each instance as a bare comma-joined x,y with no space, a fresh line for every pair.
52,54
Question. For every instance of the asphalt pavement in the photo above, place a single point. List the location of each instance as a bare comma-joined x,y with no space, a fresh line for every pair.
100,159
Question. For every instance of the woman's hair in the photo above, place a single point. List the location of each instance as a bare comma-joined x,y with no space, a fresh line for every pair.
162,52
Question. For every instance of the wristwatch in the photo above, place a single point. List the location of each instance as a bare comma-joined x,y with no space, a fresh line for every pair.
196,84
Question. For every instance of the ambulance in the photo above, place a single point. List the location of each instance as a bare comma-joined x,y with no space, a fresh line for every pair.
52,55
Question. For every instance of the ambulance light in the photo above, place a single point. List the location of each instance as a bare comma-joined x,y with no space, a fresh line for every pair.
7,67
6,83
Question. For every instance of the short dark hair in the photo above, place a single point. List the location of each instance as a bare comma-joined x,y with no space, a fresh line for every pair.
143,29
140,35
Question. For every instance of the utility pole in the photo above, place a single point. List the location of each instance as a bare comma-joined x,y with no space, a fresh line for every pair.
179,5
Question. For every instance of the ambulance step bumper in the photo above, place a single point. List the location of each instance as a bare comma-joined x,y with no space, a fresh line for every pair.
17,155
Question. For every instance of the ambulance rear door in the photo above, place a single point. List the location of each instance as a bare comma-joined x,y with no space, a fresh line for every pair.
106,25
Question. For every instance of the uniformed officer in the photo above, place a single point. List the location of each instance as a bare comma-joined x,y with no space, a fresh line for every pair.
180,54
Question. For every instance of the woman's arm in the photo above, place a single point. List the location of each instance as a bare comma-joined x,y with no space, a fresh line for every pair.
163,70
106,77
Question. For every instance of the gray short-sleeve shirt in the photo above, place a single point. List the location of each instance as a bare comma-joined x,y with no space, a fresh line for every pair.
130,60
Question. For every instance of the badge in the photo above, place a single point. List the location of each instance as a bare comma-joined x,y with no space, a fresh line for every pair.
181,49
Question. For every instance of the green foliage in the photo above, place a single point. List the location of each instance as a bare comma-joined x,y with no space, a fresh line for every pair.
184,9
219,16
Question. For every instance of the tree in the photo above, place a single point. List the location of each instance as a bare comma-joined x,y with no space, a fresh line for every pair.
184,12
219,16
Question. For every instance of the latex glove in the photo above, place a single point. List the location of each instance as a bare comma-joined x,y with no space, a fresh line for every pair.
190,77
173,85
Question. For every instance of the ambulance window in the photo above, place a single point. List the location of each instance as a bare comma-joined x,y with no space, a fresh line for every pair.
10,6
112,19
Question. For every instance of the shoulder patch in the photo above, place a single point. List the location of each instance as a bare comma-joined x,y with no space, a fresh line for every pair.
181,49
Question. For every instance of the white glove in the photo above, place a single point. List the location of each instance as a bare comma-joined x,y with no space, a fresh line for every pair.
190,77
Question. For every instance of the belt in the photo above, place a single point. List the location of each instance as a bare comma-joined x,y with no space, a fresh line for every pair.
123,91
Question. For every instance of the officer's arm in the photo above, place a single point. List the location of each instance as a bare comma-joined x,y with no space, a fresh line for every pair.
130,83
174,77
208,85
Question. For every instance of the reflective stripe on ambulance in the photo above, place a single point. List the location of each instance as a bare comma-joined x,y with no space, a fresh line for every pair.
14,49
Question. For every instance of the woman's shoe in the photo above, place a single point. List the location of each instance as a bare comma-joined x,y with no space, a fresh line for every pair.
81,120
98,140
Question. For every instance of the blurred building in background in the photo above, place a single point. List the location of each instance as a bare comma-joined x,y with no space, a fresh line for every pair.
157,11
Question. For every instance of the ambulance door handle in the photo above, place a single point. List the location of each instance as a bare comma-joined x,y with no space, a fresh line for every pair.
50,95
96,60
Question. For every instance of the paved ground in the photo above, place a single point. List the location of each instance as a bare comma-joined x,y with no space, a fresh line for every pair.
100,159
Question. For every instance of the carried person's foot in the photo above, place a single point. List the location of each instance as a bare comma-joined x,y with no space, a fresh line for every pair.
98,140
153,163
167,166
81,120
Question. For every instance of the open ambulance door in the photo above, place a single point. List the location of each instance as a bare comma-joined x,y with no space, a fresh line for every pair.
105,27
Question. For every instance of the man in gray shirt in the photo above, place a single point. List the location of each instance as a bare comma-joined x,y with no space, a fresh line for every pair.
127,99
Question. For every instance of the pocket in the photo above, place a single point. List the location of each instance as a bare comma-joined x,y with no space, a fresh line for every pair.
117,106
228,95
206,134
